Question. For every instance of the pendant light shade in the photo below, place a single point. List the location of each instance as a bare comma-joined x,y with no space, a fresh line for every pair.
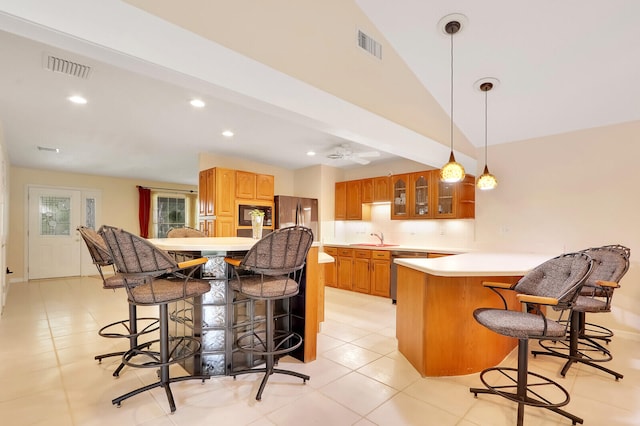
486,181
452,171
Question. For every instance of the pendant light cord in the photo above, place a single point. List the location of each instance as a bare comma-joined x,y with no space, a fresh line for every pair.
485,126
452,91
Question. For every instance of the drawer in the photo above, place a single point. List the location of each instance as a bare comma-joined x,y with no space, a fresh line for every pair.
345,252
381,254
362,254
332,251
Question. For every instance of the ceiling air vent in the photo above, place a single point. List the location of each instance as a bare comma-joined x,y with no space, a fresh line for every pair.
370,45
67,67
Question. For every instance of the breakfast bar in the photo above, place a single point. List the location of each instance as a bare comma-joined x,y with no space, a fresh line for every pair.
436,298
218,317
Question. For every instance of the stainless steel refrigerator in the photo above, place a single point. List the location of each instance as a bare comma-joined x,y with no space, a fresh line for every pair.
290,211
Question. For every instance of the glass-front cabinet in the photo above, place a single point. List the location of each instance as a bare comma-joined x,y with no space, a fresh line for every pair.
400,199
421,184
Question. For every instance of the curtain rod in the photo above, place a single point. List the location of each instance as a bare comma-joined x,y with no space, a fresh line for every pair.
188,191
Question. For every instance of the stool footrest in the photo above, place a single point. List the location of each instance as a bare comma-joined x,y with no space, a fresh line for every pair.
180,348
255,342
150,325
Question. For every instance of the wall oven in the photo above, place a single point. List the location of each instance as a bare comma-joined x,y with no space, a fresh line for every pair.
244,214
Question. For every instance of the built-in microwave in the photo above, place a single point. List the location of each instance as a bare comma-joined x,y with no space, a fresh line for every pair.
244,214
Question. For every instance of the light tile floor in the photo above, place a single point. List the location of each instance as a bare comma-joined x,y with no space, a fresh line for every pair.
48,375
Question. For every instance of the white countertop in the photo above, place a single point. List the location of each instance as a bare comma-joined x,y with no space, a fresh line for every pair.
325,258
477,264
206,243
400,247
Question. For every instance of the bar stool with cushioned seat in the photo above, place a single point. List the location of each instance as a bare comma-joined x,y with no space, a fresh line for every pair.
610,264
276,264
131,328
163,281
556,284
185,232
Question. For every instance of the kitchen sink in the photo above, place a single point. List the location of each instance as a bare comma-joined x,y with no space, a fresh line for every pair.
374,245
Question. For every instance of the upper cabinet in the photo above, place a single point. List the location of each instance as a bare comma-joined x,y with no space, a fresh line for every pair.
376,190
219,191
253,186
418,195
264,187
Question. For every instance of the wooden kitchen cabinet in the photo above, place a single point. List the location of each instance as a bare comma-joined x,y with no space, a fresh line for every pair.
344,274
340,201
361,280
225,226
207,226
254,186
330,268
421,195
219,191
245,185
380,272
367,189
400,196
206,192
354,200
225,184
264,187
381,189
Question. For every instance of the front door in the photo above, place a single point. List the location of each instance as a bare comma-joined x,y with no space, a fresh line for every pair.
54,243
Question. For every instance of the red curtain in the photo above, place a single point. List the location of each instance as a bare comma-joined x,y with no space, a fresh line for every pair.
144,211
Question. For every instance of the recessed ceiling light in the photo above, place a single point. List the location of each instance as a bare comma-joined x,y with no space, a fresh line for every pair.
197,103
311,153
227,133
77,100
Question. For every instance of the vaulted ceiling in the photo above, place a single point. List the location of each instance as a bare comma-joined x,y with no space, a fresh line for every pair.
288,77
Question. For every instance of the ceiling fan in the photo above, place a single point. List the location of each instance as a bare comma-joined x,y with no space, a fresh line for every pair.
344,152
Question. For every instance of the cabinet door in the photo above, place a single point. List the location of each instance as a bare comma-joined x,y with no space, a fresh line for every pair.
224,226
381,189
380,277
421,189
264,187
225,184
341,201
245,185
207,226
354,200
206,192
330,268
400,194
362,271
454,200
345,268
368,190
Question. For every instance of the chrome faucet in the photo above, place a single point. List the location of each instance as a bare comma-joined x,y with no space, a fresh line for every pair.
380,237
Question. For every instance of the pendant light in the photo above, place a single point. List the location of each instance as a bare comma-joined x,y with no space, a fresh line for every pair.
486,181
452,171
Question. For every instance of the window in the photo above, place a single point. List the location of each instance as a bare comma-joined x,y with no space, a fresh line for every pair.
169,211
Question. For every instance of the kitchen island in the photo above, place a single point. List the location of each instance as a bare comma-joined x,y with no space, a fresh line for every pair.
218,317
436,298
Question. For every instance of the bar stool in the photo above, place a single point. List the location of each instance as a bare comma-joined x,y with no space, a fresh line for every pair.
610,265
131,328
556,284
163,281
276,265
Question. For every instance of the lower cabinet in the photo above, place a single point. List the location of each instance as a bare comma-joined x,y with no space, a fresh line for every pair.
362,271
345,269
380,272
330,269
